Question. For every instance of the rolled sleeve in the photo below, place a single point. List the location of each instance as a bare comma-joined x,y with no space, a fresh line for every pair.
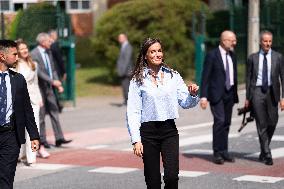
185,100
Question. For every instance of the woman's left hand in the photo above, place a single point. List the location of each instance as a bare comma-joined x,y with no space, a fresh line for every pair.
193,89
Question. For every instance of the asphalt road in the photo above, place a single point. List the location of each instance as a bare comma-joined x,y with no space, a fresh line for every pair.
100,156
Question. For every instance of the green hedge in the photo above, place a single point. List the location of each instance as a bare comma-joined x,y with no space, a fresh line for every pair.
168,20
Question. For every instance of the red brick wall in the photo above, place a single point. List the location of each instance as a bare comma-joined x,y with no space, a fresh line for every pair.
82,24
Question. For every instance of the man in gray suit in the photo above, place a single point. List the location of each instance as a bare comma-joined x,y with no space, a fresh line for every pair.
124,64
48,81
264,70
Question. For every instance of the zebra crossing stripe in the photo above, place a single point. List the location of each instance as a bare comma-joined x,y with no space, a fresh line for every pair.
113,170
261,179
47,166
192,173
96,147
276,153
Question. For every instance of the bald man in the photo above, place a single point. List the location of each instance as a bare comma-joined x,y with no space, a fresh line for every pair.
219,88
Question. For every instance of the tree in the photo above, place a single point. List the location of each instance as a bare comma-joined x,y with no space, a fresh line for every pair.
28,23
168,20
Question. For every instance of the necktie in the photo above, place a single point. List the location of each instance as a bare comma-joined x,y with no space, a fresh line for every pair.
264,86
3,99
227,82
47,65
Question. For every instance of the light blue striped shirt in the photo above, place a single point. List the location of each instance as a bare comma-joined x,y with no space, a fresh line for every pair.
151,102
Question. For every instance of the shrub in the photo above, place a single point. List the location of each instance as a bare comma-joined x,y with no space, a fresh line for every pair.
168,20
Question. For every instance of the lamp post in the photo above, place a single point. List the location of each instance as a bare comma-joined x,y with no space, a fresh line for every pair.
2,22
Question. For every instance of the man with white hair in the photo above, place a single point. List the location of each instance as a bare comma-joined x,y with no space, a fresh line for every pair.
48,82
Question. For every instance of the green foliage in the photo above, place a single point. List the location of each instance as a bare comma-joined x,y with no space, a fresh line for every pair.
35,19
168,20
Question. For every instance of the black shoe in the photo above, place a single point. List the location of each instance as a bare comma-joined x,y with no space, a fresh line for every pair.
218,159
46,145
227,157
261,157
268,161
59,142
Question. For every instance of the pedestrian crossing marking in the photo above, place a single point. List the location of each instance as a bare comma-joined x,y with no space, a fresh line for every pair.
192,173
276,153
113,170
47,166
96,147
198,151
278,138
200,139
261,179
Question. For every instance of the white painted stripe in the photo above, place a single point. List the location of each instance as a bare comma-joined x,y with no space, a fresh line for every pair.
192,173
278,138
47,166
276,153
261,179
207,124
127,150
113,170
95,147
200,139
198,151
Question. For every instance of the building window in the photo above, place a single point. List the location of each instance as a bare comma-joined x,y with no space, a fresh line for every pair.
80,5
18,6
85,4
74,5
4,5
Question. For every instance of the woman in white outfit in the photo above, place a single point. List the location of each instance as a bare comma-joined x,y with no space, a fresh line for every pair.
28,68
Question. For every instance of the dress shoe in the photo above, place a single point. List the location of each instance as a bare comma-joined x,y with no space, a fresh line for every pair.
218,159
261,157
268,161
46,145
59,142
227,157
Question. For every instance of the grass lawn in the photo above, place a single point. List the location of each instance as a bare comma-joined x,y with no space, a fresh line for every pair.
91,82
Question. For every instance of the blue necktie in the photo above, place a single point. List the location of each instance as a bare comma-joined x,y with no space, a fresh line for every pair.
46,62
264,86
227,82
3,99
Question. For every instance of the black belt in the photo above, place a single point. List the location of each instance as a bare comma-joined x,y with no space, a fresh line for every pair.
6,127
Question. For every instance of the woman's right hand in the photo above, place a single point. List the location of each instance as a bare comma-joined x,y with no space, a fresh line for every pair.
138,149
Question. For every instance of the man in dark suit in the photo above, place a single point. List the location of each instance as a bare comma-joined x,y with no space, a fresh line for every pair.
264,70
16,114
48,80
124,64
58,61
219,87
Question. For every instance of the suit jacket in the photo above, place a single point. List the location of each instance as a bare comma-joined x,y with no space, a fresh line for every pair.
44,80
277,72
214,77
58,59
23,116
124,63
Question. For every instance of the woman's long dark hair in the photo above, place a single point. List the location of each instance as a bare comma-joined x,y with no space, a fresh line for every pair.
141,61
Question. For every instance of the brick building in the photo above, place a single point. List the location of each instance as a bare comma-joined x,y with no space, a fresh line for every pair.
81,12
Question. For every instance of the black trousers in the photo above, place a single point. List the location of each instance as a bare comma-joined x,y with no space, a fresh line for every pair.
160,138
125,81
266,116
9,152
222,113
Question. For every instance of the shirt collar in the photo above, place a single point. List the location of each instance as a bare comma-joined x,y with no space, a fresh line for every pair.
262,52
222,50
147,71
41,49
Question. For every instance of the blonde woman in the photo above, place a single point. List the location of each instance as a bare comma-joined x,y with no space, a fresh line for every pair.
28,68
